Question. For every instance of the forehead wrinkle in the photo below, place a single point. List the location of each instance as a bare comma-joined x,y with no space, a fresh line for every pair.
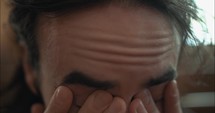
110,41
116,43
118,59
93,35
112,34
117,49
121,69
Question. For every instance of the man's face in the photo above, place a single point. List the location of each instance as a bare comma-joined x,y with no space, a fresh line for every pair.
118,49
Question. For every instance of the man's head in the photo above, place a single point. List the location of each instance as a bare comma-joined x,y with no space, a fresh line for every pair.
121,46
25,16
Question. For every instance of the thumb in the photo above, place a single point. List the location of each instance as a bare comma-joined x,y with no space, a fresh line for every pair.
61,101
172,101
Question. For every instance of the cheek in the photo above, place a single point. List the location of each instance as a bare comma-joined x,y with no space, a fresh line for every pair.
81,93
157,92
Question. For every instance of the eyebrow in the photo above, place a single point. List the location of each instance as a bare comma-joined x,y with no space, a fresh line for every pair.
80,78
167,76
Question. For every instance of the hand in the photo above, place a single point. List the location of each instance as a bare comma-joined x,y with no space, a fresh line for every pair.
60,102
103,102
97,102
144,103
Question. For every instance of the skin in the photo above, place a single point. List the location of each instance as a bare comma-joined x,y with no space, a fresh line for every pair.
125,45
63,97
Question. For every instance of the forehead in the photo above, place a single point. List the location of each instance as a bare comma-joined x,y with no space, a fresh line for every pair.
139,19
110,37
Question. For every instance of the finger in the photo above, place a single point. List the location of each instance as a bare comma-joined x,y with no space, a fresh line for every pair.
61,101
97,102
117,106
37,108
172,103
137,106
148,101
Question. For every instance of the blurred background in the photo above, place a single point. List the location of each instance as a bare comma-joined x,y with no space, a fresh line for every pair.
196,67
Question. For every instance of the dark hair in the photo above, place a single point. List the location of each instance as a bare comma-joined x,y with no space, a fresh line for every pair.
25,13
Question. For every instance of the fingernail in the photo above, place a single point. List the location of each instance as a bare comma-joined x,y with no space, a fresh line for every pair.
102,99
140,108
57,96
175,82
175,88
58,92
62,93
146,97
117,106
